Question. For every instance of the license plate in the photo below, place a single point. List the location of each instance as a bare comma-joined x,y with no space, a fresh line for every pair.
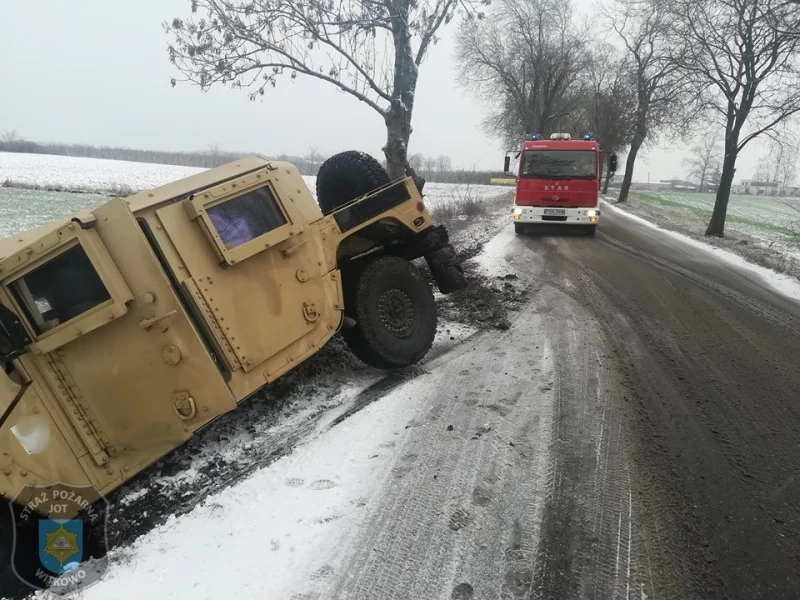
554,211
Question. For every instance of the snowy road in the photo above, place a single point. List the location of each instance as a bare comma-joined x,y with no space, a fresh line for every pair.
634,434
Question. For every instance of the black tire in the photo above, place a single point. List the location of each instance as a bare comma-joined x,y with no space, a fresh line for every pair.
395,314
446,270
346,176
519,228
591,230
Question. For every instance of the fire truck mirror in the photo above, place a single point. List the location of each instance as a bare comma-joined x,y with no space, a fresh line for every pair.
506,164
612,163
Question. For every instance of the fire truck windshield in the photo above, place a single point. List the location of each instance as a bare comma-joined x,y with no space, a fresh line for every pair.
558,164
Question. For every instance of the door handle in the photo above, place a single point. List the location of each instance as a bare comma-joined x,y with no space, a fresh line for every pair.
150,321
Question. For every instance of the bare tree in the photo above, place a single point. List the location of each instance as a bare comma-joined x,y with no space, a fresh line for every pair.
313,159
370,49
787,166
778,165
429,166
9,136
443,163
609,101
661,93
214,158
415,161
749,70
704,160
525,63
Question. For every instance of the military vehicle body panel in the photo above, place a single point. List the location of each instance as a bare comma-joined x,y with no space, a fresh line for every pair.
172,317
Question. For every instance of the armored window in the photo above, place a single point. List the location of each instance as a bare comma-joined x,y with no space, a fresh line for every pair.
246,217
59,290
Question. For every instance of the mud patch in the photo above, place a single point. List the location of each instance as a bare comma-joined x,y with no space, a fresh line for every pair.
482,496
323,572
322,484
459,519
463,591
518,583
327,519
485,303
496,408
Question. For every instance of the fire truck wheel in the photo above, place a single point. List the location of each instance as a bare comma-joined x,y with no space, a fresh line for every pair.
395,314
346,176
590,231
519,228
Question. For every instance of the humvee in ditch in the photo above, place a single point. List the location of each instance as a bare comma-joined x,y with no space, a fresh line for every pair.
125,330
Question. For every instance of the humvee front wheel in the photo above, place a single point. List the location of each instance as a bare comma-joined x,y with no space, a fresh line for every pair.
394,311
346,176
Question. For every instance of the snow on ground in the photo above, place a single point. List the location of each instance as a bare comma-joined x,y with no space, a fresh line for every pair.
436,193
263,537
772,219
494,261
86,174
787,286
98,175
268,535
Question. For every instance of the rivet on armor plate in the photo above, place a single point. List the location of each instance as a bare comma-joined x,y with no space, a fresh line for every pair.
171,354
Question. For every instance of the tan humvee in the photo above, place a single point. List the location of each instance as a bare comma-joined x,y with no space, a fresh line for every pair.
126,329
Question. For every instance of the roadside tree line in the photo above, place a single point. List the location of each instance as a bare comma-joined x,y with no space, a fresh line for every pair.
726,67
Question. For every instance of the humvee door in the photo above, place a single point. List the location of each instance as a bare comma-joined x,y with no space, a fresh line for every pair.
129,375
256,272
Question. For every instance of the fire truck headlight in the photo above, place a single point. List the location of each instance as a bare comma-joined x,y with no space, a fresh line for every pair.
517,211
591,213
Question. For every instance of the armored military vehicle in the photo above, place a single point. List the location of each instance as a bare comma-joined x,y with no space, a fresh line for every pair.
126,329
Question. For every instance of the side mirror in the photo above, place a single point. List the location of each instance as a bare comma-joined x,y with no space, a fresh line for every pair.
507,164
612,163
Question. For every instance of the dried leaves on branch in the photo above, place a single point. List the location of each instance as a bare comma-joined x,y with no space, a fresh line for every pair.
370,49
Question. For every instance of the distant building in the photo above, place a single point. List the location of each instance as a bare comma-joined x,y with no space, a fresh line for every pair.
764,188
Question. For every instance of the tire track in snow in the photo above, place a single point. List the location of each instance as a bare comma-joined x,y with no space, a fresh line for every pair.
464,512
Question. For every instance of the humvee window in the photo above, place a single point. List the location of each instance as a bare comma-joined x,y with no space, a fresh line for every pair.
59,290
246,217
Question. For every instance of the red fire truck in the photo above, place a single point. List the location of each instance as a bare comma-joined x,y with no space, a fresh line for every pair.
558,182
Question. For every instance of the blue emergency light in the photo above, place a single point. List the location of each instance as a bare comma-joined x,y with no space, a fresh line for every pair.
535,136
587,136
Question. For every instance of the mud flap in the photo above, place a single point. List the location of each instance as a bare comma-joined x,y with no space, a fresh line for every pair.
446,269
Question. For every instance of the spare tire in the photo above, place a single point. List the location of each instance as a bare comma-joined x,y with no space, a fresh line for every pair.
346,176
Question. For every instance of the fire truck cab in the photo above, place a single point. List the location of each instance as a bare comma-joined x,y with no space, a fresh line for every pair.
557,183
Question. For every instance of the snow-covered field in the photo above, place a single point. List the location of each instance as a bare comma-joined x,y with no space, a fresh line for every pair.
76,174
79,174
774,219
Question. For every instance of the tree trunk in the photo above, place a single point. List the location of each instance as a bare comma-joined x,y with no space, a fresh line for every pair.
608,180
398,118
716,226
398,131
636,143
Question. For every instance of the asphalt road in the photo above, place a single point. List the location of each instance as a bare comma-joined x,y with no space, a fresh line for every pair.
710,359
634,434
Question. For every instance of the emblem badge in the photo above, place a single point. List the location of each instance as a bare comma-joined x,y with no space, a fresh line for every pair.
60,542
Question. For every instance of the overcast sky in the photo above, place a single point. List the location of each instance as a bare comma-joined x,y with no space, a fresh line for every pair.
96,71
